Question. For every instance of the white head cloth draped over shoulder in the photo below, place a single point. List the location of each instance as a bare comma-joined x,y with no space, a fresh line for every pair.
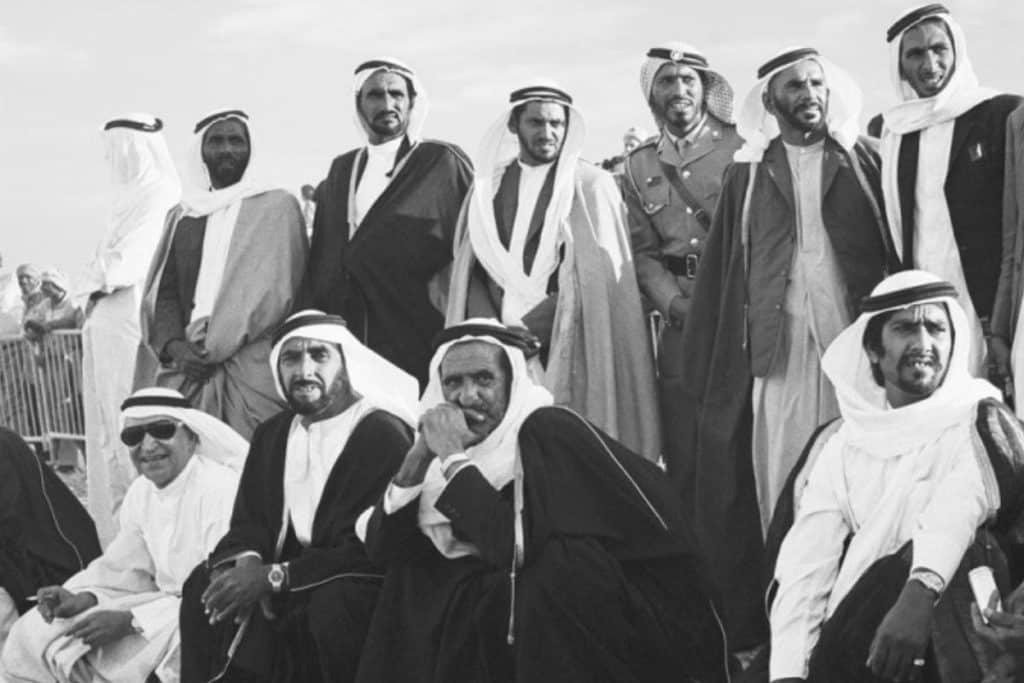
141,169
718,94
499,149
758,127
217,441
419,100
868,422
497,455
200,198
962,91
381,384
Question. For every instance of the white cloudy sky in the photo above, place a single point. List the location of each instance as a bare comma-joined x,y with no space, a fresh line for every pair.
66,67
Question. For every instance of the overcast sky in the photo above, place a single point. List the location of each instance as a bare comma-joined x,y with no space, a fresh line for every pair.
67,67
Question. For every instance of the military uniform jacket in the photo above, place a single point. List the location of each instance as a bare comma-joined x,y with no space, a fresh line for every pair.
667,233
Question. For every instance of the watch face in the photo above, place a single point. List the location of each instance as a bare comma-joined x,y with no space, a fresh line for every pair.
276,575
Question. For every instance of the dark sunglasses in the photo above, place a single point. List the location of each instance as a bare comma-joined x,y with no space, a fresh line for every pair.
163,430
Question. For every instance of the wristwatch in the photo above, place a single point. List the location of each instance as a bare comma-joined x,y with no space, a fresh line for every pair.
276,577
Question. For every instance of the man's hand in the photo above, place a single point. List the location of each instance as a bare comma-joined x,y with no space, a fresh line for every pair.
414,467
56,602
190,359
999,361
1004,630
445,430
677,310
903,635
103,627
232,592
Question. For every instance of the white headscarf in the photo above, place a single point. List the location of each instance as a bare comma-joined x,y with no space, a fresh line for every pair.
718,94
868,422
758,128
146,186
381,384
217,441
498,149
961,92
200,199
420,101
497,455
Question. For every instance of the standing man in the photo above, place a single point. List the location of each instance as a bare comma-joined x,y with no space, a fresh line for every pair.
542,244
522,544
146,187
797,240
117,620
943,164
382,236
287,595
223,279
671,185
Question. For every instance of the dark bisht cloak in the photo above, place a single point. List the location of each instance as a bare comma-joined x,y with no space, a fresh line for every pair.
610,588
45,533
389,280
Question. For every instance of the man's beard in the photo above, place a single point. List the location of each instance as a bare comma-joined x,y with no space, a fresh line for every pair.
227,170
338,390
383,128
792,116
539,157
924,381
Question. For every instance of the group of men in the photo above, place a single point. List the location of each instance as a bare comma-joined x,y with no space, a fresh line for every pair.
487,534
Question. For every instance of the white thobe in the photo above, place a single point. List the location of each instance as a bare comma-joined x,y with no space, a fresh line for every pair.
935,248
376,176
220,227
795,397
531,182
110,343
310,455
936,494
165,533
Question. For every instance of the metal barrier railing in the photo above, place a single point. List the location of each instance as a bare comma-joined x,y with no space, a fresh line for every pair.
41,387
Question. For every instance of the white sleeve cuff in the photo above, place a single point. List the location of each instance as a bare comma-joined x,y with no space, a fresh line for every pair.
397,497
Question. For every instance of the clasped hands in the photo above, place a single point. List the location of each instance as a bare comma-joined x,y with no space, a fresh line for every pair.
234,590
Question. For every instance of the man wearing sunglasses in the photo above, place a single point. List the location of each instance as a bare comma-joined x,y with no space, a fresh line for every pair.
288,593
118,618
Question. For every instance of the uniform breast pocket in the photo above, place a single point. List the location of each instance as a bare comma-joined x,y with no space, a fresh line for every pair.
655,199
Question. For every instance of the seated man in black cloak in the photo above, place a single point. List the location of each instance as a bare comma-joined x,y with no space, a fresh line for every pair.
288,593
45,533
523,544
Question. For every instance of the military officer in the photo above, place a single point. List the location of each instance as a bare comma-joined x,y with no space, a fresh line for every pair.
672,182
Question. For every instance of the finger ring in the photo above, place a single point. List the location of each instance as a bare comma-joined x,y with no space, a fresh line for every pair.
918,662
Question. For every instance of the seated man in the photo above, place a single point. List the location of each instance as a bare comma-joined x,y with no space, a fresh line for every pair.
117,619
45,533
523,544
892,498
288,593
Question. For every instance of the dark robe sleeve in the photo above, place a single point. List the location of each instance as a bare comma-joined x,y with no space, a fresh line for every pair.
396,538
480,514
372,455
251,528
169,314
